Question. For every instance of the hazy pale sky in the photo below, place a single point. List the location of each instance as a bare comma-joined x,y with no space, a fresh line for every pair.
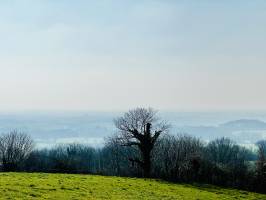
115,55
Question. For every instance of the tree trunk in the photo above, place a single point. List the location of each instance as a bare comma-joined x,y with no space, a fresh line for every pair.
146,162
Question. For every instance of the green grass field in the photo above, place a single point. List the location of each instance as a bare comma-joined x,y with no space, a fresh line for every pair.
62,186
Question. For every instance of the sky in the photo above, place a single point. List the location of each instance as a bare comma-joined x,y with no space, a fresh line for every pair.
115,55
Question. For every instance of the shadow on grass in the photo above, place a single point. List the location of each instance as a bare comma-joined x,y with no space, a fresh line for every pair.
233,192
218,190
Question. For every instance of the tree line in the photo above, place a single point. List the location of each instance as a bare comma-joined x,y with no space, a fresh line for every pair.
142,147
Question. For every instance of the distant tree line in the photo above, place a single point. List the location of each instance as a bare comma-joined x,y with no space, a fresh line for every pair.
143,148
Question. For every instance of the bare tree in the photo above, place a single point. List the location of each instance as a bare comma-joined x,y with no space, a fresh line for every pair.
222,151
261,164
261,153
140,128
116,158
14,149
178,157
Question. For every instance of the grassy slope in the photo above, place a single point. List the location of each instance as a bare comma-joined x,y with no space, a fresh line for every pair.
61,186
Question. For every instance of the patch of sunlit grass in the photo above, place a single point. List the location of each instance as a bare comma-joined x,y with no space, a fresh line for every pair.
67,186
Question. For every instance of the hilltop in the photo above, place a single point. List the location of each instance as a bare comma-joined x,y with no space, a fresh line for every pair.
67,186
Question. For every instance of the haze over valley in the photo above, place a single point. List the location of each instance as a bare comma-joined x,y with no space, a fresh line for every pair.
50,128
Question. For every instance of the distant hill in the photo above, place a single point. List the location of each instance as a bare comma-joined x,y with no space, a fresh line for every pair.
245,124
243,131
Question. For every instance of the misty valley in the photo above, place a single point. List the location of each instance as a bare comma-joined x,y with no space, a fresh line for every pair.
50,128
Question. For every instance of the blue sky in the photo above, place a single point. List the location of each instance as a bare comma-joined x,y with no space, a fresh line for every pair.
114,55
